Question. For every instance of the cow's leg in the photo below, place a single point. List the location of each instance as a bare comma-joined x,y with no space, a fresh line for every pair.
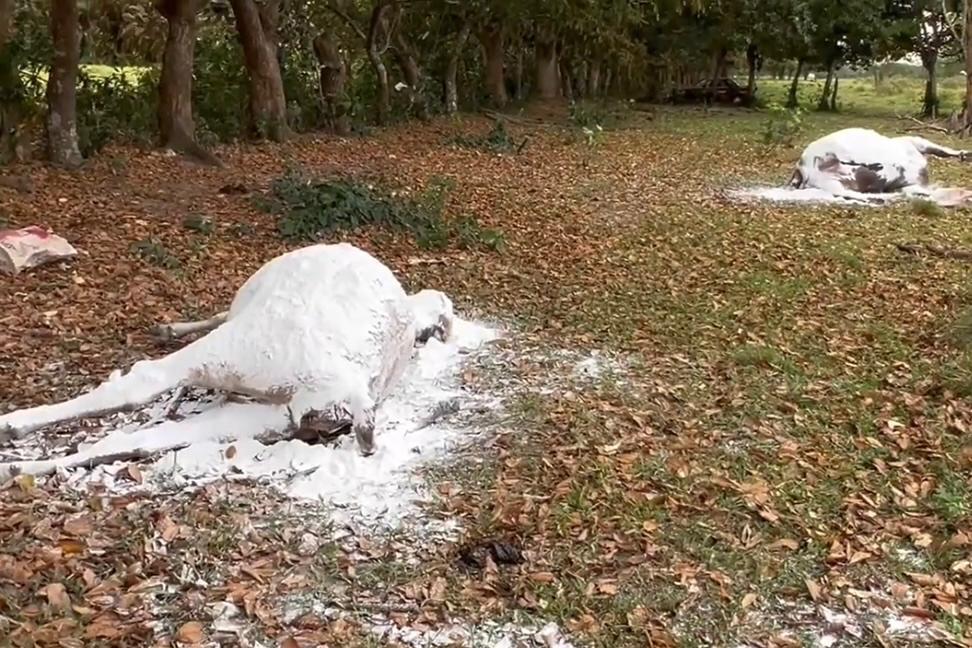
146,381
926,147
175,330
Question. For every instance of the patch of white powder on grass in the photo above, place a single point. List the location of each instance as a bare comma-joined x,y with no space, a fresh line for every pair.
483,635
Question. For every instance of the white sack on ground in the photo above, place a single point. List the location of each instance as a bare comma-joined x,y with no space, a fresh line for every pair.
30,247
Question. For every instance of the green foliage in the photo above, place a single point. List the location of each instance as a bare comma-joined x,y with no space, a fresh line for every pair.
199,224
783,125
152,251
219,89
117,107
926,208
497,140
587,116
310,209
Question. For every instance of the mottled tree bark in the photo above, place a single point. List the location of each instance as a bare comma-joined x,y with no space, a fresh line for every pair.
256,24
177,128
333,79
407,60
375,29
452,68
62,126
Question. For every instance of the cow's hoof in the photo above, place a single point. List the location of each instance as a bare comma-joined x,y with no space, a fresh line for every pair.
366,440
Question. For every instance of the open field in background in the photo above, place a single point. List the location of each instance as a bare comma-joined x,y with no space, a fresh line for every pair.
775,449
894,96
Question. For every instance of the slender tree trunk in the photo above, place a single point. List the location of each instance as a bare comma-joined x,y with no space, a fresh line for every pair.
11,88
594,77
408,64
494,50
824,102
719,63
566,81
791,97
833,93
929,60
548,86
176,126
518,73
6,21
967,48
580,81
256,24
376,29
333,77
752,58
62,129
452,68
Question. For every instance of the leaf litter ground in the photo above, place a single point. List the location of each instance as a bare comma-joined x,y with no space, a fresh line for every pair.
758,436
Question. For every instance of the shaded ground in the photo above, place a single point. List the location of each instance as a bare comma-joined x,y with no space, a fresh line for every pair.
789,432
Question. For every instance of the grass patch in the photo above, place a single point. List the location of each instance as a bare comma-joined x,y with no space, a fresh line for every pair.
309,210
497,140
926,208
152,251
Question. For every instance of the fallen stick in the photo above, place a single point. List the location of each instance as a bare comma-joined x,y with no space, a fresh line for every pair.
922,126
176,330
81,459
934,250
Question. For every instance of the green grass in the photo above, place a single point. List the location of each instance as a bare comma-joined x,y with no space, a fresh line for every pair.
93,70
894,96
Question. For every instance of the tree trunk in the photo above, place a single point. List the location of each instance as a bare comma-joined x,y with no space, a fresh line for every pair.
791,97
580,80
407,62
833,93
967,46
452,69
594,78
11,88
256,24
566,81
494,50
333,77
375,30
824,102
62,129
929,60
518,73
548,82
719,63
176,126
752,57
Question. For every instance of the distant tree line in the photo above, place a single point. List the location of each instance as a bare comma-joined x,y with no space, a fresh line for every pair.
192,72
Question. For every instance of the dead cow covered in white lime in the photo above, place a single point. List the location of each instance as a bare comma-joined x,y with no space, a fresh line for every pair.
325,329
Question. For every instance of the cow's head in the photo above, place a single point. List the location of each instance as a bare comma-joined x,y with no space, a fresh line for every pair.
432,312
